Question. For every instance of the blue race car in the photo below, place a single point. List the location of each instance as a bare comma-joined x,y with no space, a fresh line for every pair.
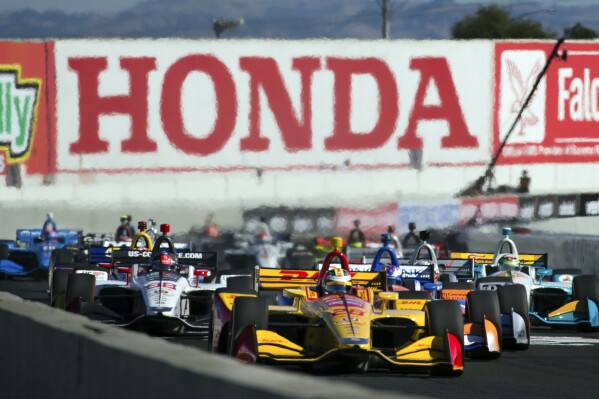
31,252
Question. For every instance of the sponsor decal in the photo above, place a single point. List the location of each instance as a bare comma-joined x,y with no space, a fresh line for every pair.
99,275
455,294
560,122
164,284
589,204
334,300
139,254
567,205
190,255
271,105
491,286
19,100
546,207
527,207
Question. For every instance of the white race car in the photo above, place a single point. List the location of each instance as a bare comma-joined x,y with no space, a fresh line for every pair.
165,292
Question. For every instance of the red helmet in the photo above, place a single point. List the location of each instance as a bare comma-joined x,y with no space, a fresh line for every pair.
163,261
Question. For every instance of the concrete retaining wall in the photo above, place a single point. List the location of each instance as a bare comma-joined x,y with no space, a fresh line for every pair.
93,202
49,353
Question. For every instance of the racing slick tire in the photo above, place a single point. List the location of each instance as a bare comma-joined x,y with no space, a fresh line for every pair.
247,311
513,297
237,283
3,251
81,287
481,305
224,342
62,256
58,285
3,256
585,287
445,316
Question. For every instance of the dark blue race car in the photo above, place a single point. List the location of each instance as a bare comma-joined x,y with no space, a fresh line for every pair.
31,252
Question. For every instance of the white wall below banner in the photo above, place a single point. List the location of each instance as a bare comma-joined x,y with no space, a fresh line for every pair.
93,202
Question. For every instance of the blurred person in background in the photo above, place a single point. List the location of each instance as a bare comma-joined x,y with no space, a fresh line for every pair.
262,232
211,226
356,236
524,186
130,224
394,239
411,239
123,232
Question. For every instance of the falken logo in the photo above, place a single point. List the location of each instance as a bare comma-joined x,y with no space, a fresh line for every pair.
18,107
519,70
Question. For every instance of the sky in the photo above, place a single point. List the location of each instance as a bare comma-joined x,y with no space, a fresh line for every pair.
74,6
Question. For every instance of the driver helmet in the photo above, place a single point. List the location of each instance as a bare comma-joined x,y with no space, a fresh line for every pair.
163,261
337,281
509,263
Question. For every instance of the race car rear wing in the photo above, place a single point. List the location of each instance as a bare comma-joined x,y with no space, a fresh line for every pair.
537,261
204,260
279,279
66,236
103,254
463,269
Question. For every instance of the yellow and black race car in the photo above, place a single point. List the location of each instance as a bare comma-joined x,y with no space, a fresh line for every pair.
336,320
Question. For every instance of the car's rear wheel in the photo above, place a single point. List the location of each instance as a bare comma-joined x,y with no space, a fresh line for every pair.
445,316
513,297
585,287
81,287
59,284
3,251
247,311
237,283
481,305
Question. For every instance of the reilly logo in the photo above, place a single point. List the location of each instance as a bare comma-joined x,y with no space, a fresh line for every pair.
18,108
519,70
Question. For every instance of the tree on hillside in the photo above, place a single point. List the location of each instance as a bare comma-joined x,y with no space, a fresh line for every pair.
493,22
580,31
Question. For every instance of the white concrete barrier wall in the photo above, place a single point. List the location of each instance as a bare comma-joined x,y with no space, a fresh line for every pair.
49,353
94,202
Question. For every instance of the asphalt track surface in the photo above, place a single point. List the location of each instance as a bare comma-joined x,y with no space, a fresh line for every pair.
559,363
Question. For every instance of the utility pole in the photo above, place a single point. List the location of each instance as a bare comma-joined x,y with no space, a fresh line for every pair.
385,15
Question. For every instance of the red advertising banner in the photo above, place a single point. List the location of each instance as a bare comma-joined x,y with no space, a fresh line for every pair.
27,106
561,122
177,105
373,221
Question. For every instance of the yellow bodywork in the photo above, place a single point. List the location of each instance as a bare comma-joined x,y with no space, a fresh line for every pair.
348,329
570,307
